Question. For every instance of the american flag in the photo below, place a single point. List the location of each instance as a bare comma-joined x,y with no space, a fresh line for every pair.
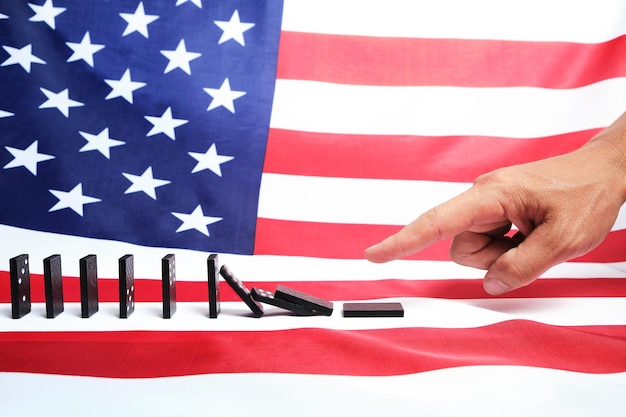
288,136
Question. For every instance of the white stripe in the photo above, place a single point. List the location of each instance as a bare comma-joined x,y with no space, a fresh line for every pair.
536,20
516,112
235,316
191,265
349,200
357,201
467,391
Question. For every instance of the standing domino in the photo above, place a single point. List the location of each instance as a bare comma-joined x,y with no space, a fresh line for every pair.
88,286
127,286
20,286
214,285
53,285
168,277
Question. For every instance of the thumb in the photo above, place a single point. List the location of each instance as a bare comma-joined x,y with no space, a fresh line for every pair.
523,264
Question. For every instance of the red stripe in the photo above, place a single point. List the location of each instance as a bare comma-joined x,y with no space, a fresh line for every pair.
348,241
447,62
590,349
407,157
149,290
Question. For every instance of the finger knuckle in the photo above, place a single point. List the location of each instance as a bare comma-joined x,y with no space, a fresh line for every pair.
495,177
516,274
431,222
457,250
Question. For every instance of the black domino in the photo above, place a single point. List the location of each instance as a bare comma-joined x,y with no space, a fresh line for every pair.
88,286
316,304
267,297
213,277
242,291
168,277
127,286
53,285
20,286
373,310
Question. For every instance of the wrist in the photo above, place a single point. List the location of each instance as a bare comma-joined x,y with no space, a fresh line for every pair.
611,145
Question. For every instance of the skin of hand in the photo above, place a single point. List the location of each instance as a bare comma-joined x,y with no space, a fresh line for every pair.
563,207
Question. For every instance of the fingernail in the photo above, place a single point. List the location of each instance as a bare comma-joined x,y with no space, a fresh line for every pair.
371,255
370,248
495,287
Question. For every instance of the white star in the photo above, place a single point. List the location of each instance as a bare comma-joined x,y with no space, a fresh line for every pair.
223,96
27,158
73,199
60,101
46,13
23,57
84,50
196,220
100,142
180,58
233,29
4,114
165,124
209,160
196,2
123,87
3,16
144,182
138,21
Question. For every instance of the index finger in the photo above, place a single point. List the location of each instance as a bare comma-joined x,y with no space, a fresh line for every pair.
461,213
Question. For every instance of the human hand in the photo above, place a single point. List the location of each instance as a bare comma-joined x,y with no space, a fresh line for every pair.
563,207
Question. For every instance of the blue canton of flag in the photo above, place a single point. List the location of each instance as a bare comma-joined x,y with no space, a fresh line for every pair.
140,121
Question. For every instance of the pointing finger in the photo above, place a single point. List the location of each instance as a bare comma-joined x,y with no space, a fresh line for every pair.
457,215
